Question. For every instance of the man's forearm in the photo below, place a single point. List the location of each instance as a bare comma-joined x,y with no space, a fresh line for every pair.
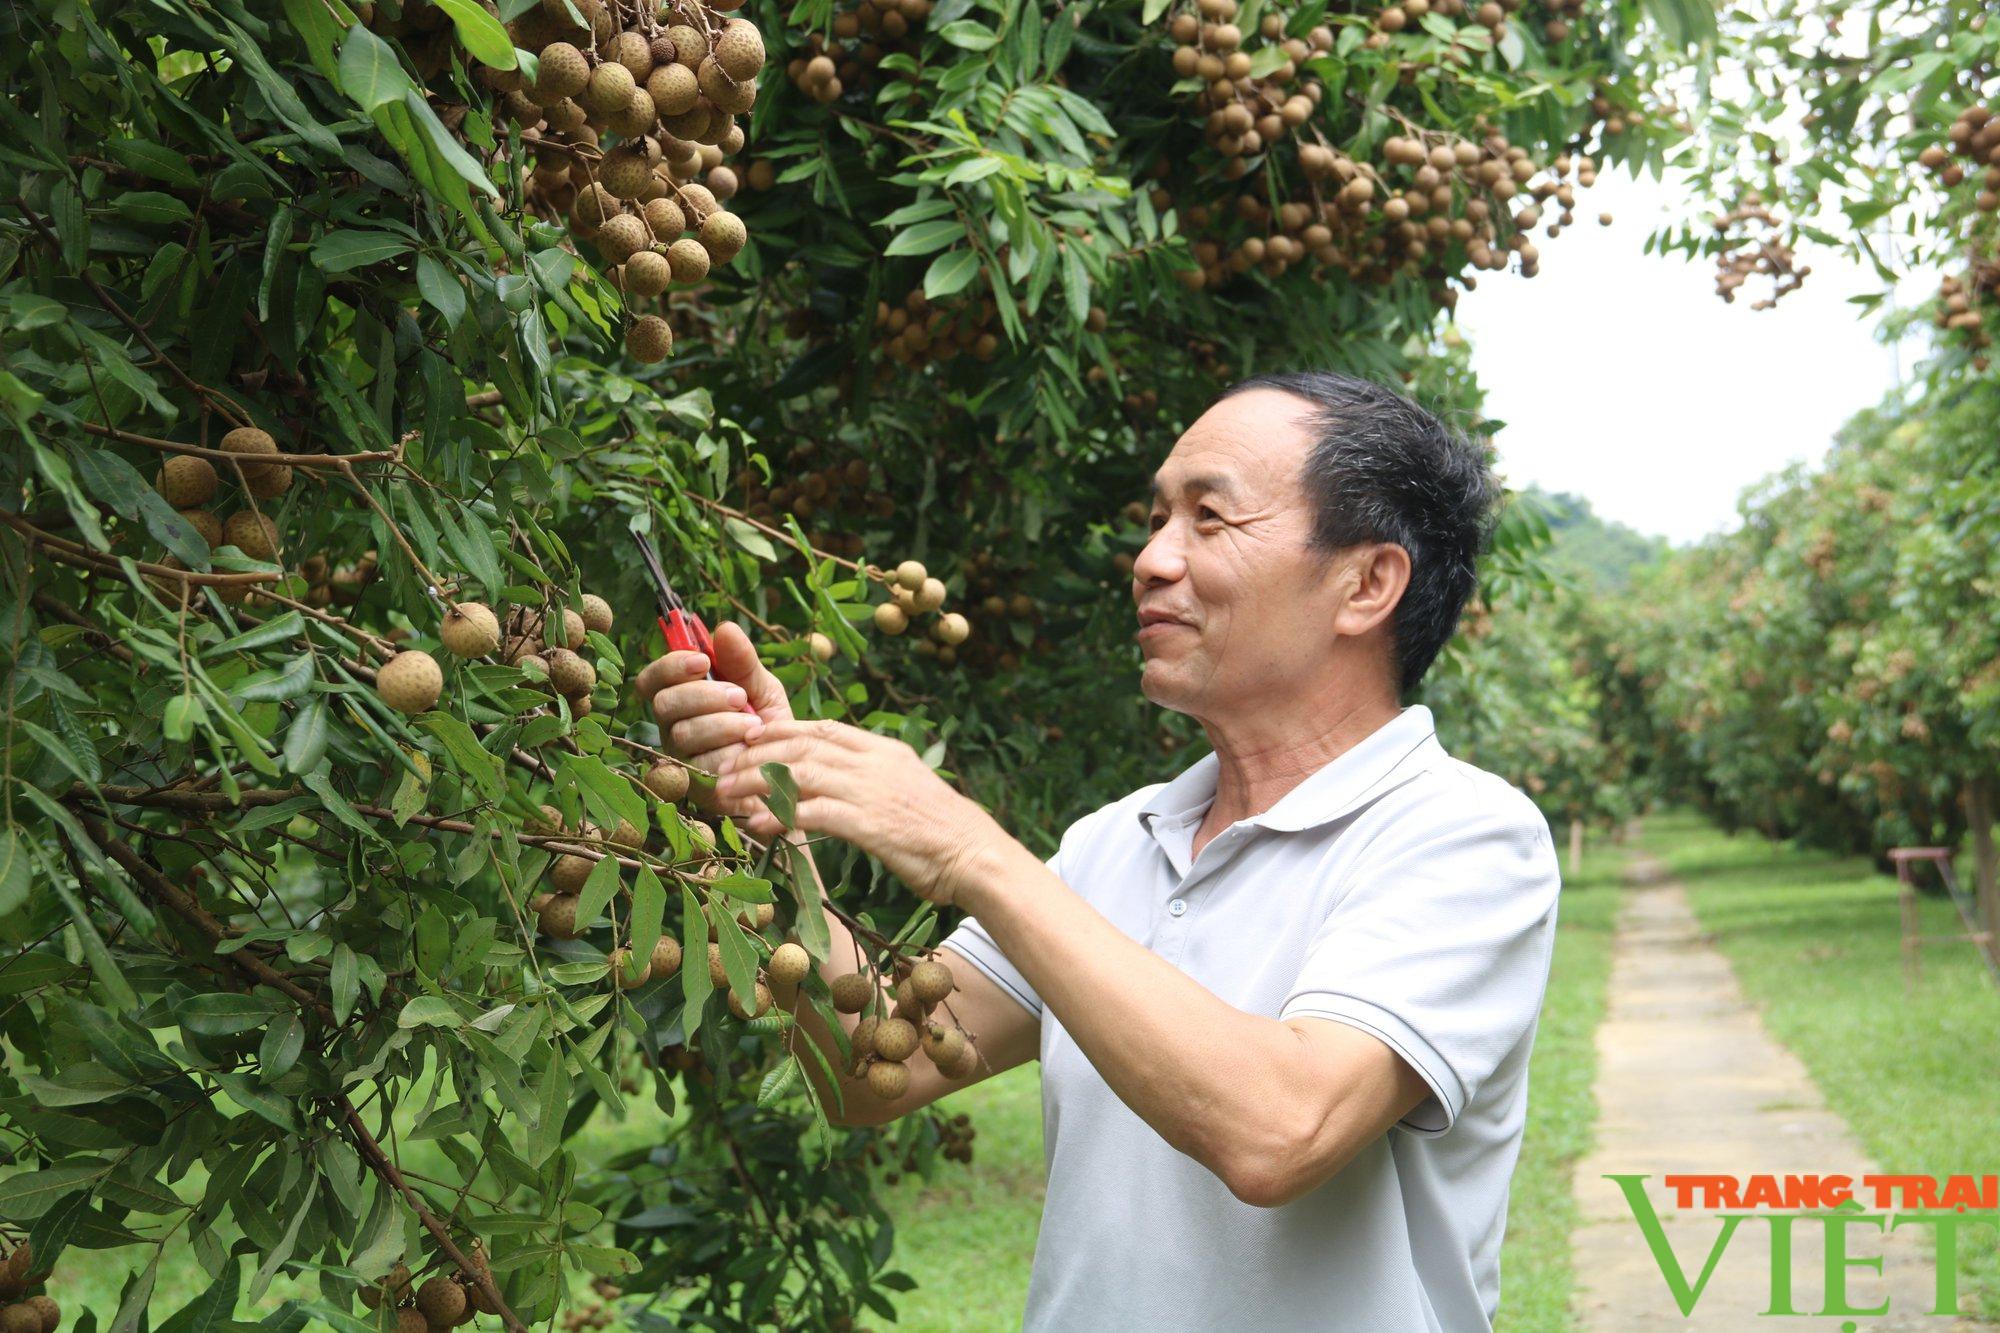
1198,1070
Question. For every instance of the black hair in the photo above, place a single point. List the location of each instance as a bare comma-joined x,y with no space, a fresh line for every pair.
1385,470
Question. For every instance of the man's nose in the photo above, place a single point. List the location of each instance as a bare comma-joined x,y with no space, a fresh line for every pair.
1161,559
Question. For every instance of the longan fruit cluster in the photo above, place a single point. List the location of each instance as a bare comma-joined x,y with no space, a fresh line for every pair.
841,487
27,1308
440,1302
883,1044
1754,245
913,592
1972,144
190,483
1958,305
830,66
563,665
955,1135
915,332
628,121
1245,115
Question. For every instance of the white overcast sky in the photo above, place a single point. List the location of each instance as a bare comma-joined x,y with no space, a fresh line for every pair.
1623,378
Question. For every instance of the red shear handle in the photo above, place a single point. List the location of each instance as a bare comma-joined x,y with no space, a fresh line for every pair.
685,633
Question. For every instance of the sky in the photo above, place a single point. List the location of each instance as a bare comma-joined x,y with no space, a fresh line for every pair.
1623,378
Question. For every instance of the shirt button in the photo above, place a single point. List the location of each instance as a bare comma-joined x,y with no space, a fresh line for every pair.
1178,907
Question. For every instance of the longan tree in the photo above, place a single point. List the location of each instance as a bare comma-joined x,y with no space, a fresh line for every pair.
355,921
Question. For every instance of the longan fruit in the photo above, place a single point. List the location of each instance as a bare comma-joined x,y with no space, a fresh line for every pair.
251,440
852,992
945,1046
570,673
763,1003
888,1079
822,647
470,629
410,682
739,50
911,575
723,235
931,595
789,964
596,613
186,482
409,1319
568,872
930,981
964,1066
666,956
896,1039
563,73
558,917
51,1313
205,523
441,1300
649,340
20,1318
667,780
251,533
610,87
718,975
690,260
862,1040
664,216
952,628
623,976
891,618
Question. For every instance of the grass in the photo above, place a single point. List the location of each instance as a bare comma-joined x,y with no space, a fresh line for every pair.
1536,1280
1815,941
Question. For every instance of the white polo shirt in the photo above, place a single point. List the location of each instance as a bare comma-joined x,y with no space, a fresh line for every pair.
1397,890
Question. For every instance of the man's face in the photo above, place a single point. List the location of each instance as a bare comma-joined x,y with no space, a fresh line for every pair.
1234,604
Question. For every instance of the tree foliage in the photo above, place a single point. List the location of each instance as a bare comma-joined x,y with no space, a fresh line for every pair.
276,979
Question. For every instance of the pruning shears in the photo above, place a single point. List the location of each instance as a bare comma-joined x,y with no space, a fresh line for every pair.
681,628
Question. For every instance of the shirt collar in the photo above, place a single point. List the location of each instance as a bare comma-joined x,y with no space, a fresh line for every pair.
1343,783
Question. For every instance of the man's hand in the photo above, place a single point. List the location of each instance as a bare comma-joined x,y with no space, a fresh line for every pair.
872,791
699,719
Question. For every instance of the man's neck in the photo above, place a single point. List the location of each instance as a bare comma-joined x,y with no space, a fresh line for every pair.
1260,763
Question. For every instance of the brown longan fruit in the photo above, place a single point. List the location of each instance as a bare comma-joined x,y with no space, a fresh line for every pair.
666,956
563,73
718,975
625,173
205,523
689,258
911,574
410,682
690,46
558,917
665,218
891,618
634,52
251,440
596,613
409,1319
570,673
739,49
674,89
823,647
789,964
952,628
649,340
611,86
251,533
575,632
762,995
723,235
964,1066
20,1317
888,1079
647,273
896,1039
568,872
622,237
441,1300
944,1045
470,629
852,992
623,977
50,1312
668,781
930,981
186,482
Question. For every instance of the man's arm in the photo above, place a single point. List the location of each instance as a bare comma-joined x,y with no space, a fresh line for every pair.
1273,1108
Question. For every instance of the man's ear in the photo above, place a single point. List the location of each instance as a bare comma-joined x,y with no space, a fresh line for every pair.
1375,576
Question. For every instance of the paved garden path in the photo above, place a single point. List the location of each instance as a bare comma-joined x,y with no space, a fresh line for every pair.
1689,1081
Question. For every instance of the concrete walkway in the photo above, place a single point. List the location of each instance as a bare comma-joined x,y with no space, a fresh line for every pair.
1689,1081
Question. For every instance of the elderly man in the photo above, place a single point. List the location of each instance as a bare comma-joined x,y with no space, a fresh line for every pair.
1283,1003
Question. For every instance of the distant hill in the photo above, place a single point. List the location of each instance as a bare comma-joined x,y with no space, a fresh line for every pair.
1594,552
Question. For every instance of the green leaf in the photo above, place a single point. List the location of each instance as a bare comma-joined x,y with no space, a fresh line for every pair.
969,35
926,237
778,1082
471,759
441,290
340,251
152,159
213,1310
27,1195
480,33
598,888
428,1011
369,70
305,739
445,144
151,208
950,274
750,539
695,983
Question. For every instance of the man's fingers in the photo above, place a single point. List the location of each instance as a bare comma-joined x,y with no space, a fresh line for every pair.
694,698
671,669
708,732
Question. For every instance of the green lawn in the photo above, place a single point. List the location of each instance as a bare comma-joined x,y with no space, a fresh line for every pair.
969,1237
1814,939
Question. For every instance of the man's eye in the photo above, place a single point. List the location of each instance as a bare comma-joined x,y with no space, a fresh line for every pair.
1207,515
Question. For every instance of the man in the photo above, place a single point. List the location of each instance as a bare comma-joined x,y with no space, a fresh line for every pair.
1284,1002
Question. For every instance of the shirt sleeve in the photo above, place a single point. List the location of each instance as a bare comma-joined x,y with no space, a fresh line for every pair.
1439,946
